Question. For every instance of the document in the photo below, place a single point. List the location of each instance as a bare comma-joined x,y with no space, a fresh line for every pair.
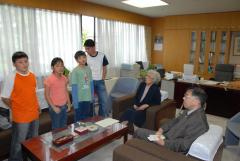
155,137
208,82
107,122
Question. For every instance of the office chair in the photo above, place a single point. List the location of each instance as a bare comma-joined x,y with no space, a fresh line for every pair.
123,87
141,64
224,72
161,72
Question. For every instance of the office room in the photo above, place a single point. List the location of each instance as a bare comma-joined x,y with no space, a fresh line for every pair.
113,80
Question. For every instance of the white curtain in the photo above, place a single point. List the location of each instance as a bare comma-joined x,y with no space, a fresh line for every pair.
121,42
42,34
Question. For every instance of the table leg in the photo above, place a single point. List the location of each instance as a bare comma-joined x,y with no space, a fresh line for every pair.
24,155
125,138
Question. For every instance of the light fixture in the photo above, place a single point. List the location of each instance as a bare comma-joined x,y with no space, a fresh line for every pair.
145,3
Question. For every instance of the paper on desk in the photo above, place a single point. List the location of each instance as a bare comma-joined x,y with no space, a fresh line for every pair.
107,122
208,82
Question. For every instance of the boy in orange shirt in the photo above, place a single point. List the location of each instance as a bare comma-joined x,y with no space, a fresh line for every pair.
19,94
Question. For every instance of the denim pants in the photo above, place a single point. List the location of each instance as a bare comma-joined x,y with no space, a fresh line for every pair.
83,111
100,89
21,132
59,120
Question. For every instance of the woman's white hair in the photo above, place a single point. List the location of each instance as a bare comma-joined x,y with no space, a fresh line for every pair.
155,75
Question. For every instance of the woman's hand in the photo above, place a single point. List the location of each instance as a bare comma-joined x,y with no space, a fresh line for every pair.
135,107
143,107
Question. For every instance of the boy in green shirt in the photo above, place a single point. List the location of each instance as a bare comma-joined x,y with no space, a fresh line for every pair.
81,81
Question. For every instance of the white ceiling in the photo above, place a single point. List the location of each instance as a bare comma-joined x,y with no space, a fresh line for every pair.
176,7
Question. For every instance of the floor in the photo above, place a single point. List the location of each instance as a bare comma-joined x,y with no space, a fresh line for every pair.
231,153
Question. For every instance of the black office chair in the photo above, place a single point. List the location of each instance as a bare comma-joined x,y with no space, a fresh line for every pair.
141,64
161,72
224,72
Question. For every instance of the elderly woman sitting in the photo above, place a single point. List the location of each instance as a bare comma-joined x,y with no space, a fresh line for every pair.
148,94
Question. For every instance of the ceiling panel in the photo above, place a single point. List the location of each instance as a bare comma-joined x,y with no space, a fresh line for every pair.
176,7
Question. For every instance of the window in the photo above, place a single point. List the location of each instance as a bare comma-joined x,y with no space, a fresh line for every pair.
45,34
42,34
88,28
121,42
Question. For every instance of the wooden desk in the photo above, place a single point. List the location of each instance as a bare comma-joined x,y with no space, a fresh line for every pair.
222,100
36,149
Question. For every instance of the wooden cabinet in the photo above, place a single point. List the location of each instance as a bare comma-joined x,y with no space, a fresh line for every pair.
193,47
209,48
202,53
212,52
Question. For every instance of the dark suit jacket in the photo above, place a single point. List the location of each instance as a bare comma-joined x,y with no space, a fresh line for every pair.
183,130
153,96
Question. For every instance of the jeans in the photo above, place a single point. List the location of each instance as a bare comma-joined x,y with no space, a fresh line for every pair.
100,89
83,111
59,120
21,132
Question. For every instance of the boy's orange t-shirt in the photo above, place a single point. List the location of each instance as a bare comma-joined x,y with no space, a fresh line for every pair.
24,102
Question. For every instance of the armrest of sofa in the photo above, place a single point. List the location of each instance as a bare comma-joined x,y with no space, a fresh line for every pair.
119,105
166,113
155,114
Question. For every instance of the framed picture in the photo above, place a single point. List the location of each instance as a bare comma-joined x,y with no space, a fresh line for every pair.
158,43
236,46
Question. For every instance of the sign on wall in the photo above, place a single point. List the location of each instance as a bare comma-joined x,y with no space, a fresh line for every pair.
158,43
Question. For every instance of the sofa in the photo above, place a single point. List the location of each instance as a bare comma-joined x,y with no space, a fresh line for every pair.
44,126
154,115
141,150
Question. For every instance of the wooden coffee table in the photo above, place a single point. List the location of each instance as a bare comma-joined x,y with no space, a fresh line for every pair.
36,149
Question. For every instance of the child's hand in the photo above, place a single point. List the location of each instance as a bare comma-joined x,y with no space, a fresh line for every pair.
56,109
69,108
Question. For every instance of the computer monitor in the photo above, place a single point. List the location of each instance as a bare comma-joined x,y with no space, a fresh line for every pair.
188,69
161,72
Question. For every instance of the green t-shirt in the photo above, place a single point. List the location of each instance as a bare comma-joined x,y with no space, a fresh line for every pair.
82,77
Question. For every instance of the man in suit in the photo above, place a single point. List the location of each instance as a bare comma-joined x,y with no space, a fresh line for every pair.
180,132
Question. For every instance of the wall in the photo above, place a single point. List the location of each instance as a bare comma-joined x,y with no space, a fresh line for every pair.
157,29
176,32
80,7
